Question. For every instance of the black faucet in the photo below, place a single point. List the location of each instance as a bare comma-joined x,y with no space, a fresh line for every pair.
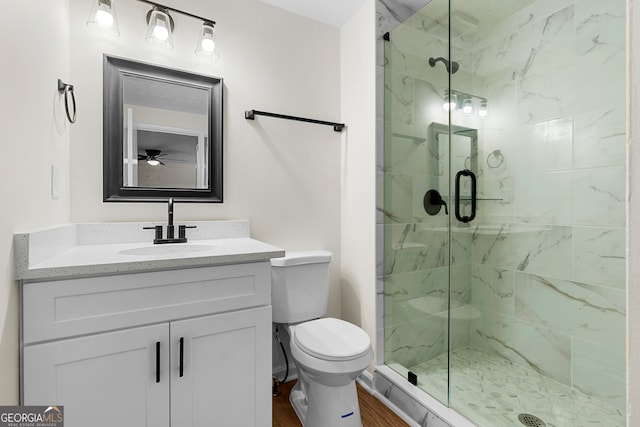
170,232
182,237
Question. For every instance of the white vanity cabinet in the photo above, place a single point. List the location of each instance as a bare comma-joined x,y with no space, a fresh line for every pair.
180,348
102,379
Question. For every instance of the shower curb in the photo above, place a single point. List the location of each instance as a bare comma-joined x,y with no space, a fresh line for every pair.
414,403
366,380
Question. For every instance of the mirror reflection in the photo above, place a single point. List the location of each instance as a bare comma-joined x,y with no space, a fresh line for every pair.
165,134
455,151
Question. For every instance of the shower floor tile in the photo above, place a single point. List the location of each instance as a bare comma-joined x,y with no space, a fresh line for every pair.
492,391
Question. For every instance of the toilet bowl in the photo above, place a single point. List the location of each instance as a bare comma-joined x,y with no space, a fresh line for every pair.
329,353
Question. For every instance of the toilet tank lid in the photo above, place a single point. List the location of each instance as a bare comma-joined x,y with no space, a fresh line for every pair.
301,257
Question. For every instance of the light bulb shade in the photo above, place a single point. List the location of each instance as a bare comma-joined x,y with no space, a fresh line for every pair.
206,45
450,101
103,16
153,162
482,112
160,28
467,106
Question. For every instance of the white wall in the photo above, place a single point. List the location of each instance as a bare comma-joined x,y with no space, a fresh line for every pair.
35,47
283,176
358,245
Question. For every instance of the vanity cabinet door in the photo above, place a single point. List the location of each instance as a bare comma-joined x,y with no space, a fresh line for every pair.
103,380
226,370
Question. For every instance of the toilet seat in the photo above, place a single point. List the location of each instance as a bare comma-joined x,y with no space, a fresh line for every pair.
332,339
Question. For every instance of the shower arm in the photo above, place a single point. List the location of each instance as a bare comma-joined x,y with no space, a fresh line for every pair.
451,66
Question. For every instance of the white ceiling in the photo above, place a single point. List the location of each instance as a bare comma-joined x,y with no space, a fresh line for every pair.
331,12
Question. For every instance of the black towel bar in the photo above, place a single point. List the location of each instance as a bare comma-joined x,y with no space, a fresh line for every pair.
251,114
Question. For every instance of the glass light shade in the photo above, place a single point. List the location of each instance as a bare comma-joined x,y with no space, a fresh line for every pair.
103,16
206,45
450,101
153,162
160,27
467,106
482,112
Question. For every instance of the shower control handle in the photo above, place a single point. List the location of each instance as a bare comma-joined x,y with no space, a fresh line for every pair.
432,203
460,174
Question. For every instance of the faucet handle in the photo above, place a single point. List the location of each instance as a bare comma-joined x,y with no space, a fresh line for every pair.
182,234
157,228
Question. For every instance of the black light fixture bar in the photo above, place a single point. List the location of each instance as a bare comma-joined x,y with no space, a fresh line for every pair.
250,115
178,11
466,95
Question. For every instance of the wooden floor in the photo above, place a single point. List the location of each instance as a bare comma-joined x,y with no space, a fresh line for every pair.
374,413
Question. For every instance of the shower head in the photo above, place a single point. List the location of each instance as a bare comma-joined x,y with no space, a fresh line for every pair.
451,66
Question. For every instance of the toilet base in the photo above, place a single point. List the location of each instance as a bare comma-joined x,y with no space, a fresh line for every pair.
330,406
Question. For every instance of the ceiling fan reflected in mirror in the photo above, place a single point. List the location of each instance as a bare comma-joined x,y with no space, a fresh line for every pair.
153,157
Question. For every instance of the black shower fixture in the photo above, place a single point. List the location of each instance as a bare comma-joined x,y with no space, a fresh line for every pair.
451,66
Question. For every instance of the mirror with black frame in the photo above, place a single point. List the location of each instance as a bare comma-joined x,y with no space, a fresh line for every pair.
162,133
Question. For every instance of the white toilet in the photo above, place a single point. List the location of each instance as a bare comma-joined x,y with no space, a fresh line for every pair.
329,353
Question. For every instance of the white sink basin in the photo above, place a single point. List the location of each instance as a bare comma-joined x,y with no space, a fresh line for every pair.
169,249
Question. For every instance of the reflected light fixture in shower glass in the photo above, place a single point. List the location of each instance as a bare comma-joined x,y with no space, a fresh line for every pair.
483,108
103,16
450,101
467,106
160,27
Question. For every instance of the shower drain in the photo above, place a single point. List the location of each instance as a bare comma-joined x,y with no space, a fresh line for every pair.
531,420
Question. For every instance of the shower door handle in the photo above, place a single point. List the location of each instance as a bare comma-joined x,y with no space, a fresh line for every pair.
460,174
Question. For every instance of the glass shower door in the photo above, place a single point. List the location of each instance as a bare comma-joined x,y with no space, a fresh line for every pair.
416,243
541,336
504,209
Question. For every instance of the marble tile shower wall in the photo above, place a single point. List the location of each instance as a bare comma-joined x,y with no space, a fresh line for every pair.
546,262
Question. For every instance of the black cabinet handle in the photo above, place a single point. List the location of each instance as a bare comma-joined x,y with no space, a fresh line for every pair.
181,356
466,172
157,361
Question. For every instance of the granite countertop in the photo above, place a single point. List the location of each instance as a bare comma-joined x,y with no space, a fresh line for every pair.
82,250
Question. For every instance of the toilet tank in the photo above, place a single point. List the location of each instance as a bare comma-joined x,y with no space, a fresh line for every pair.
300,286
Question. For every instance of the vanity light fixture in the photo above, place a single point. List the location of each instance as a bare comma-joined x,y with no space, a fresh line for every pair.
483,108
451,98
450,101
206,45
103,16
467,106
160,25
